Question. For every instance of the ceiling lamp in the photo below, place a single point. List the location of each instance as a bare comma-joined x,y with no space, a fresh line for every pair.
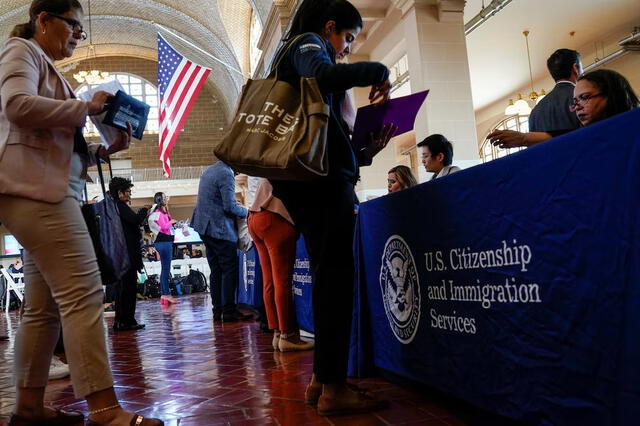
511,109
534,96
522,106
93,76
540,96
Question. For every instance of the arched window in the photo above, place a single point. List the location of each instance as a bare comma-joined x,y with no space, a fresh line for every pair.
519,123
137,87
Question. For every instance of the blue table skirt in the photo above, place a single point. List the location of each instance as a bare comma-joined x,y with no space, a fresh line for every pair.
250,283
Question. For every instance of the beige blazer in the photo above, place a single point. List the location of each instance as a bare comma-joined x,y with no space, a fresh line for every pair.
38,118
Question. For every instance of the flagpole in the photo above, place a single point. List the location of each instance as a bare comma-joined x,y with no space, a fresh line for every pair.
198,48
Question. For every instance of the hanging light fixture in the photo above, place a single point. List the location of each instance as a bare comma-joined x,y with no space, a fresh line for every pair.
511,109
534,96
93,75
522,106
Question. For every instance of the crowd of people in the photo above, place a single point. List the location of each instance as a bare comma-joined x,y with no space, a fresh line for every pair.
41,193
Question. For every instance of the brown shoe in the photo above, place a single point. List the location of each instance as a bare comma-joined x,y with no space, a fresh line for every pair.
312,394
363,403
313,391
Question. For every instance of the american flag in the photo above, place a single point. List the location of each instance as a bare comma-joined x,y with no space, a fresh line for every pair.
179,82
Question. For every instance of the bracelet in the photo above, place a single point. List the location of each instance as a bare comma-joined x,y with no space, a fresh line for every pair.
102,410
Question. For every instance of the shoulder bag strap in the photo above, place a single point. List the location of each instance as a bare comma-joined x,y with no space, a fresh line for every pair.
283,51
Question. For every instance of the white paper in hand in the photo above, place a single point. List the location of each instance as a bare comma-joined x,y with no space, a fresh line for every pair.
107,133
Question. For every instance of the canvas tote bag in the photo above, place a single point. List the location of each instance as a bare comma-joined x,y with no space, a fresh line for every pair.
279,131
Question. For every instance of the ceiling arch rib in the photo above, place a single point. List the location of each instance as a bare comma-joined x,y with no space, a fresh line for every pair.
137,38
140,33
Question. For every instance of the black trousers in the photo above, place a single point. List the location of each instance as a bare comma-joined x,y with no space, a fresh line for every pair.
126,290
323,212
109,294
222,256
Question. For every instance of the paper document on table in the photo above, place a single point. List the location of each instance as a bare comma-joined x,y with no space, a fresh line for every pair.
107,133
400,111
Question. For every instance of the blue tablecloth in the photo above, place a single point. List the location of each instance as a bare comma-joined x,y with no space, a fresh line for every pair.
250,283
514,285
302,288
250,278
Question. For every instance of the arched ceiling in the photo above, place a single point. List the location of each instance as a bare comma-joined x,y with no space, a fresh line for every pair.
129,28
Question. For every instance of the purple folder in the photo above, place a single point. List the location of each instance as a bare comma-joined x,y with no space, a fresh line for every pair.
400,111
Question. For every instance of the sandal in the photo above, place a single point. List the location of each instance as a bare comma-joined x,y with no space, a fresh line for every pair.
137,420
62,418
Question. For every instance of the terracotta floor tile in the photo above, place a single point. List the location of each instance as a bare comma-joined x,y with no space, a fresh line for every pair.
190,371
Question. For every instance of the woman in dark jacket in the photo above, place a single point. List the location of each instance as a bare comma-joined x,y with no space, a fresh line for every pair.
126,288
323,210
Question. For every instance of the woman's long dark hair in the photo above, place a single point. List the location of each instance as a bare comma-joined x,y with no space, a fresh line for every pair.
312,15
59,7
613,86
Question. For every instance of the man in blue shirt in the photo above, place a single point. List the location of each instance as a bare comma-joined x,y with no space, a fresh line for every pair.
214,218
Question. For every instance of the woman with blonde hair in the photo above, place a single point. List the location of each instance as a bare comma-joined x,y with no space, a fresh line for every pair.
399,178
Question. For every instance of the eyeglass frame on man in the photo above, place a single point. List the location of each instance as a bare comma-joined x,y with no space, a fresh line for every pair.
76,26
582,99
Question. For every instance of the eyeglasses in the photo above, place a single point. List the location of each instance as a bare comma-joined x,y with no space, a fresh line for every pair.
581,100
425,156
76,26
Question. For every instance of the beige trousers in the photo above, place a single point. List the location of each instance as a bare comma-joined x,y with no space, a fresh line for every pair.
62,285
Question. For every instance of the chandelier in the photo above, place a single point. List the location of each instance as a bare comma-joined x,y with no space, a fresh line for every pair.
93,75
522,106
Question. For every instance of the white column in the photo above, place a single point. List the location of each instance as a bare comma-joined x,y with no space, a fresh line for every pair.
437,56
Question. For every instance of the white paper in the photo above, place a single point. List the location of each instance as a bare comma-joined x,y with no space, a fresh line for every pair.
107,133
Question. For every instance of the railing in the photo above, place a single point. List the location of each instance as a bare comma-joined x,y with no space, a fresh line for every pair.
152,174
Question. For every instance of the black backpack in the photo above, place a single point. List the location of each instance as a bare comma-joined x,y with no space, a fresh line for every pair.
197,281
150,288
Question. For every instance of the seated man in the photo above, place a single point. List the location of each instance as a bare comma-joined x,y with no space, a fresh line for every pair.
437,155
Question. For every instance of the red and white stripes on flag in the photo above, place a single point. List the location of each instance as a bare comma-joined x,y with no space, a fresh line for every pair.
179,82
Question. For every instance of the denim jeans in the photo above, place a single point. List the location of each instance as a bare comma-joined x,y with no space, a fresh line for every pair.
166,253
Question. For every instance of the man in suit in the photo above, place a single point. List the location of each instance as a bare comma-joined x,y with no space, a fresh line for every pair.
552,114
214,218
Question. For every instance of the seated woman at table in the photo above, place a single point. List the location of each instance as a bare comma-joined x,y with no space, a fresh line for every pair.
275,237
399,178
598,95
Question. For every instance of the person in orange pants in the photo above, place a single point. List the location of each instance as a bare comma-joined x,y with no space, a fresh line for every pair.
275,238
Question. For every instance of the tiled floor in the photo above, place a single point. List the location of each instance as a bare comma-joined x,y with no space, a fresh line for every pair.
187,370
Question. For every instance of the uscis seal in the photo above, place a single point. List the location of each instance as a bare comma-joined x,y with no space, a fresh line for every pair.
400,289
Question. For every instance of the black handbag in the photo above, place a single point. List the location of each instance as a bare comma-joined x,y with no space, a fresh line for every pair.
107,235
